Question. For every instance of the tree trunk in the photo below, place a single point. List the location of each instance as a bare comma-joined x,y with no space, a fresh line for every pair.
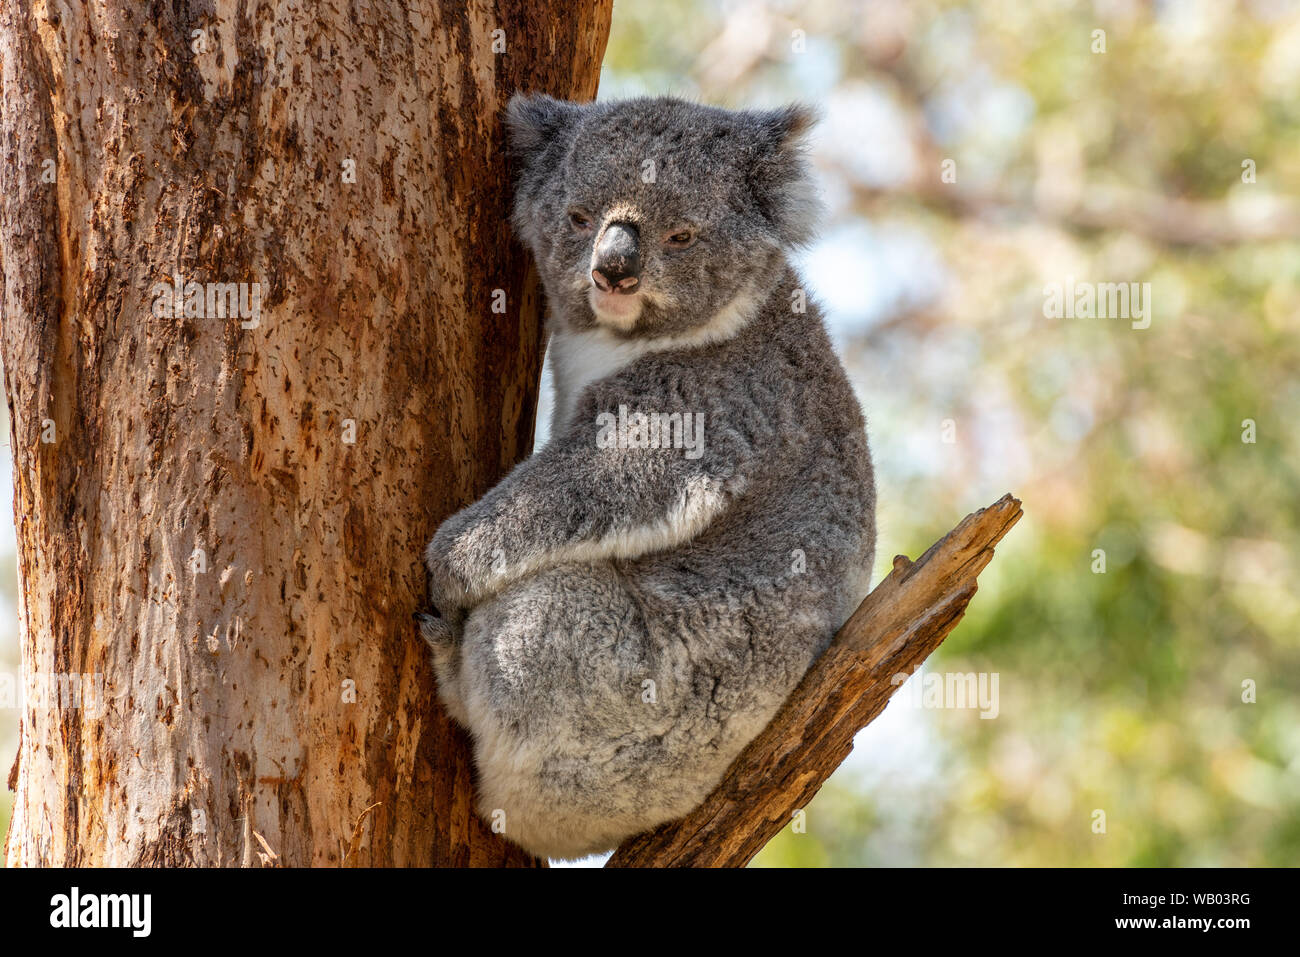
220,518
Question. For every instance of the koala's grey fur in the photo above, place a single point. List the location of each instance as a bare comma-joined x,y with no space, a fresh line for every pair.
616,624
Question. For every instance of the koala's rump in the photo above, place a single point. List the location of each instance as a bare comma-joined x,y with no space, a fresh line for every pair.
599,709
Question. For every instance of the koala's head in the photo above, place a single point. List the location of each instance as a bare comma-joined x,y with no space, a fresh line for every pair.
654,217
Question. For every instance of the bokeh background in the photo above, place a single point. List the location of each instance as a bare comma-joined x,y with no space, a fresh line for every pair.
1172,158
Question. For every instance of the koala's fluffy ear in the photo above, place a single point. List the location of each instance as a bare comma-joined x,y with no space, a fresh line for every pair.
534,122
779,175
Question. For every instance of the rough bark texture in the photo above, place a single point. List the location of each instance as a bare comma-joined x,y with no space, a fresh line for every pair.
225,522
895,628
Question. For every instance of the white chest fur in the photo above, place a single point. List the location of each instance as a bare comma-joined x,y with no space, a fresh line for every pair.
580,358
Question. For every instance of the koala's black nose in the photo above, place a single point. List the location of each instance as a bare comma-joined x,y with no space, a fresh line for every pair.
616,261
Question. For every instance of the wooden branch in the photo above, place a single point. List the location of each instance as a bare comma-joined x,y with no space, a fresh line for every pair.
895,629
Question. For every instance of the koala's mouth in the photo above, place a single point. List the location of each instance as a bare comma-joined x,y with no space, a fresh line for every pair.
617,309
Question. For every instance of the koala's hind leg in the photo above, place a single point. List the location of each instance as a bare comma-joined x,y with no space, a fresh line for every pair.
568,750
444,640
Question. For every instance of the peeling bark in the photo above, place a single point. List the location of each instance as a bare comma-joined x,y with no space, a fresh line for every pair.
220,519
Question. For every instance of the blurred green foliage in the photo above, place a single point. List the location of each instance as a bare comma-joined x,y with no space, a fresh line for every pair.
1120,691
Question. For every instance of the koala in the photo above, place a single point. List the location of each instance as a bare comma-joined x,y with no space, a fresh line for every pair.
630,606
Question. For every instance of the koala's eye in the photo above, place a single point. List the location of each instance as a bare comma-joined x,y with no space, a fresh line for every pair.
681,239
579,220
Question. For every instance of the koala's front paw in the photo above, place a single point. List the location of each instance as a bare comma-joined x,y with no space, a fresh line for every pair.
457,571
449,589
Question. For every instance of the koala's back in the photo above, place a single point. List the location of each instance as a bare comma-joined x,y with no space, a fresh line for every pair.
760,592
611,696
804,523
